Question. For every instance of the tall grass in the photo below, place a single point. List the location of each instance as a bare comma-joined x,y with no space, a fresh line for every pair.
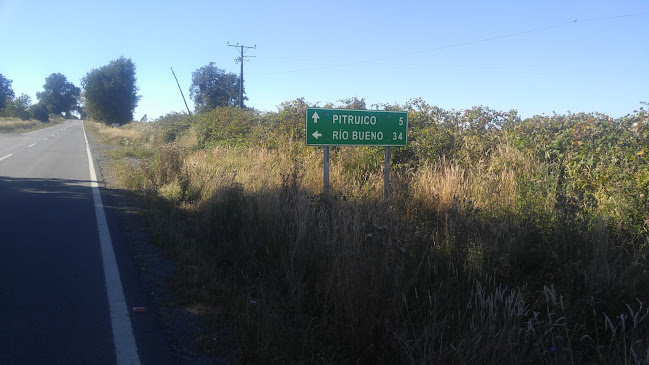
487,254
16,125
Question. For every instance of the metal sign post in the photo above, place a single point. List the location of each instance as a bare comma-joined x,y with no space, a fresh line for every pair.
386,173
325,187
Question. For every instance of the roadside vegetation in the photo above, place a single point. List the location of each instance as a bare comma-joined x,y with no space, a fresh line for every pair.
11,125
17,125
503,240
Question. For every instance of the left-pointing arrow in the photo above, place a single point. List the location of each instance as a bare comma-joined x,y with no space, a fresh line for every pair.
316,135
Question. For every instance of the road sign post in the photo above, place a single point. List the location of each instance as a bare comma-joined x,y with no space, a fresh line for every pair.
325,177
347,127
386,173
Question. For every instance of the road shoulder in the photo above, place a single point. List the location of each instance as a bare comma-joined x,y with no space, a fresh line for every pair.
163,324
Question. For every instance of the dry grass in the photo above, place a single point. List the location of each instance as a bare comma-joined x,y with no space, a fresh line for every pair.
15,125
129,134
480,264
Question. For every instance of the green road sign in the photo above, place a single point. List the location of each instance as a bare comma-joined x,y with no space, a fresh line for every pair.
346,127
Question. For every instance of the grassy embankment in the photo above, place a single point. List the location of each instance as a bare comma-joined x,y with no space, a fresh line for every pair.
503,241
16,125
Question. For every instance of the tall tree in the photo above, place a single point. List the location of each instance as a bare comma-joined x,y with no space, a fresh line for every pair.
212,87
6,92
59,95
110,92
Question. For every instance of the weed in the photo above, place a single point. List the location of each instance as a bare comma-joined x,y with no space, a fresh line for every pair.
500,242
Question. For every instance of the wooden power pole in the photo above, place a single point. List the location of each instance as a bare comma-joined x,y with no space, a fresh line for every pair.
241,57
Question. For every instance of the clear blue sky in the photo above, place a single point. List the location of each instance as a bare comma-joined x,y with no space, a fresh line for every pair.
531,56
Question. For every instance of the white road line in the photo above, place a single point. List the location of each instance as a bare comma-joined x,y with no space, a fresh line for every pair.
125,346
38,130
46,139
7,156
31,145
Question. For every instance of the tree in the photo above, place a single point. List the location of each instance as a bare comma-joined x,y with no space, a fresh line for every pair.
6,92
59,95
18,107
110,92
40,112
212,87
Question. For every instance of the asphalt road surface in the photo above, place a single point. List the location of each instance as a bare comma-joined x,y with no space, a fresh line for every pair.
67,286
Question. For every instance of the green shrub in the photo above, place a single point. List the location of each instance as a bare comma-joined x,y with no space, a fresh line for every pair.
225,125
172,125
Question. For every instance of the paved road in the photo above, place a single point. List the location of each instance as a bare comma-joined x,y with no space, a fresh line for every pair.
61,294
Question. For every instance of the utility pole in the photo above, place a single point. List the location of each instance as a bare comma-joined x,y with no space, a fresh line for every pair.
181,91
242,49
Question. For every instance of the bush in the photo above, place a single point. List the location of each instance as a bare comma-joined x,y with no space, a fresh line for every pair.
172,125
227,125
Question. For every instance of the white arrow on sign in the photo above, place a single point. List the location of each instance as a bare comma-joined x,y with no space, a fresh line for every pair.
315,118
316,135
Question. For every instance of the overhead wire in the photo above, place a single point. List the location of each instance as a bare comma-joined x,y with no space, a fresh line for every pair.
460,44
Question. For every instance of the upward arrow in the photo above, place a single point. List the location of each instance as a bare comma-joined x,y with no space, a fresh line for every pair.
315,117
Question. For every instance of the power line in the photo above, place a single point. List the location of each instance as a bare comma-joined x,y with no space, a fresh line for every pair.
461,44
610,17
242,49
528,31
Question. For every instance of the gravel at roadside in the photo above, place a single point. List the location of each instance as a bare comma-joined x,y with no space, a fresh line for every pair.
182,329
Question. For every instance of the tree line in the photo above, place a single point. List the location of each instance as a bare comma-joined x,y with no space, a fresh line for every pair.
58,97
109,94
